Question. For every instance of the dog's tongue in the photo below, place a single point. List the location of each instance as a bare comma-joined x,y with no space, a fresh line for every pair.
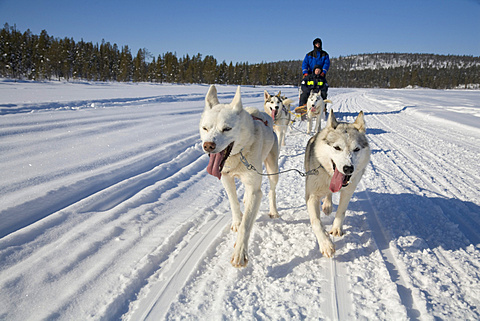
273,114
213,167
337,181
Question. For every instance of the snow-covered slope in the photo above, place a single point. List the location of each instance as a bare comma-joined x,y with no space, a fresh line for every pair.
107,211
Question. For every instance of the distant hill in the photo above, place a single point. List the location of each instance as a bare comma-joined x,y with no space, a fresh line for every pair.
395,60
398,70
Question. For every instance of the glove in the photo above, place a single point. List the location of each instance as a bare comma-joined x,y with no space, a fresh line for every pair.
322,74
305,75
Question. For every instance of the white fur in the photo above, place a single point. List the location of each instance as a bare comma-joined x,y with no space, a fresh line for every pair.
280,106
344,144
258,144
316,107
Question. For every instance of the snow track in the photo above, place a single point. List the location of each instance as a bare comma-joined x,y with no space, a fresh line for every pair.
107,212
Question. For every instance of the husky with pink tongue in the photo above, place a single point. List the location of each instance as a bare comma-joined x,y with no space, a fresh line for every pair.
278,107
226,131
340,153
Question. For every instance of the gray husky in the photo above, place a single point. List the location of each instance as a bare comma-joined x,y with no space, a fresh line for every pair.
227,132
340,153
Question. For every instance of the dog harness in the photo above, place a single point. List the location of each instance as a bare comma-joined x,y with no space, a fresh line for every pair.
263,121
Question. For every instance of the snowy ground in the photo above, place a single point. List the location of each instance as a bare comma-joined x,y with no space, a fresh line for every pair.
107,211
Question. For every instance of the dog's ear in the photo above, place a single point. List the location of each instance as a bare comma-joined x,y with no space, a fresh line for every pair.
266,95
279,94
211,98
360,122
332,121
237,101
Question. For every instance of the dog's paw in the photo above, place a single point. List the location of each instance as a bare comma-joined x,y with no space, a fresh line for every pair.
327,207
239,257
274,215
327,248
235,226
337,231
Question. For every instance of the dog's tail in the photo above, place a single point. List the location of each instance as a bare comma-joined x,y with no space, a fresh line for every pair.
287,102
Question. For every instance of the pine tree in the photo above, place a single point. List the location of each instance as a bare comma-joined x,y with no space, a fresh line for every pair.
139,66
171,67
210,70
222,73
160,70
42,70
152,71
125,66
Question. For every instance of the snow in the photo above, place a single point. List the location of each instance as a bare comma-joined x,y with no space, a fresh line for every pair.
107,211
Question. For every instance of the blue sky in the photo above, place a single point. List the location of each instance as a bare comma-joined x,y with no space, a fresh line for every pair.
256,31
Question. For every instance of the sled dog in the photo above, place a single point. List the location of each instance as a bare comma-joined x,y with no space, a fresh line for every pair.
276,107
341,153
228,130
316,109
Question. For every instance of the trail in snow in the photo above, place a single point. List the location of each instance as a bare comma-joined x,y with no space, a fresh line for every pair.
107,211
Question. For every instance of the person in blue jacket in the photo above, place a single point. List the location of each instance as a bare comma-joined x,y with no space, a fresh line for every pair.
316,57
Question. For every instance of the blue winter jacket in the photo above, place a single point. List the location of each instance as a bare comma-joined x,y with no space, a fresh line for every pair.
315,58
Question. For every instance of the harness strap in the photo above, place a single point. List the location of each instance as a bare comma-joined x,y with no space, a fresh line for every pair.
263,121
250,167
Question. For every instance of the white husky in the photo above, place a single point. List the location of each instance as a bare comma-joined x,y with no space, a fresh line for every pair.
341,153
316,108
276,107
227,131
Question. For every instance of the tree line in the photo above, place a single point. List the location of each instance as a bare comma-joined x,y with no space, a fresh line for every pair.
24,55
43,57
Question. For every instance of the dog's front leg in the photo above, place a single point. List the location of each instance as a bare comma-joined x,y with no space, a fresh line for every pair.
337,227
281,138
271,164
318,125
229,185
313,207
309,125
327,204
252,203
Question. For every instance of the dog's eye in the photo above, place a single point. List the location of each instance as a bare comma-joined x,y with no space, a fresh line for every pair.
205,129
356,150
226,129
337,147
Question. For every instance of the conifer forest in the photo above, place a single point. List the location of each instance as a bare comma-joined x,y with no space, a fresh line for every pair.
26,56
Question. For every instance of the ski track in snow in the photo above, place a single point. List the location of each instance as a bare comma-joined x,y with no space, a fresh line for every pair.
107,211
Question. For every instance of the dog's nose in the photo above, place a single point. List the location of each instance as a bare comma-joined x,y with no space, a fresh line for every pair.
347,170
209,146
